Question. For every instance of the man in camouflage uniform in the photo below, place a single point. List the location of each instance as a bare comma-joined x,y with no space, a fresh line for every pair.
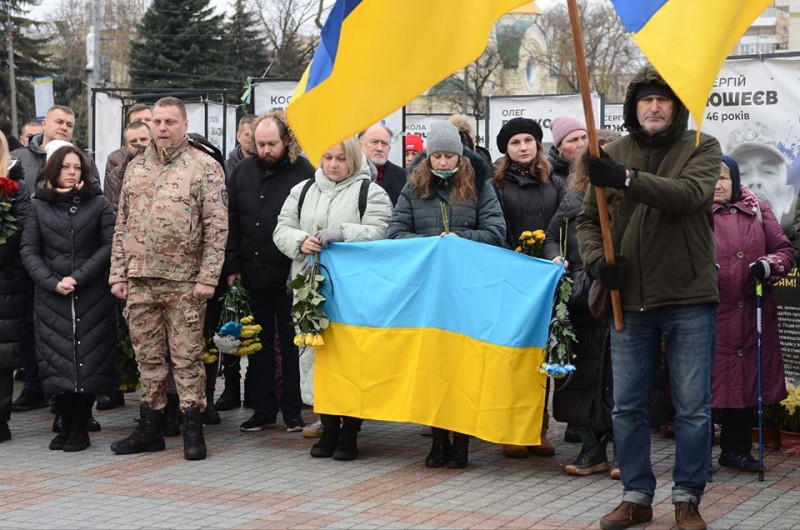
167,254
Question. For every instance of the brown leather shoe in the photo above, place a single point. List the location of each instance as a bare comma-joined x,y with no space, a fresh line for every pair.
625,515
545,448
687,516
515,451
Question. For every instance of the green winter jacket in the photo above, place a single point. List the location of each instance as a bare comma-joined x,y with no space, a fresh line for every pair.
668,244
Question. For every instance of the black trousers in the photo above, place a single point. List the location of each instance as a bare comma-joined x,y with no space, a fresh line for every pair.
6,393
737,429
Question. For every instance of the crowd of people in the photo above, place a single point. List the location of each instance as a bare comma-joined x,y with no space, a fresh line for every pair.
174,224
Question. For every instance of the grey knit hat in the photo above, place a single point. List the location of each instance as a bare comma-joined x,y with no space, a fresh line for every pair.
443,138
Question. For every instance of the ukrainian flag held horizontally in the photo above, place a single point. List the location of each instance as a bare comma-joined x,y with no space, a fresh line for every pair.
687,41
439,331
374,56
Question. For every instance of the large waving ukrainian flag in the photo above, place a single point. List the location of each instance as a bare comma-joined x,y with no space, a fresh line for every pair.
374,56
687,41
440,331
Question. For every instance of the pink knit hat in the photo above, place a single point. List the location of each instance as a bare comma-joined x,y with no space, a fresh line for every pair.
562,126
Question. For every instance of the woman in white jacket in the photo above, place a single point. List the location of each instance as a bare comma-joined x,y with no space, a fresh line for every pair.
341,204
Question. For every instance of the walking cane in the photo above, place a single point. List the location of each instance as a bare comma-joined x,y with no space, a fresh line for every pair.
759,294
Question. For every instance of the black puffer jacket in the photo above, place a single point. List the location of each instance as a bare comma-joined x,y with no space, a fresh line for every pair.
70,235
528,203
256,193
584,399
12,304
559,167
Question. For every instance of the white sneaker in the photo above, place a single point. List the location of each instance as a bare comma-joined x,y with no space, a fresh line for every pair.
313,430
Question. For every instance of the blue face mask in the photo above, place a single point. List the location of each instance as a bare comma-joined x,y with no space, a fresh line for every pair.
443,174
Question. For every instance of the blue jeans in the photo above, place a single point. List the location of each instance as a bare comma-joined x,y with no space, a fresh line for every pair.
688,333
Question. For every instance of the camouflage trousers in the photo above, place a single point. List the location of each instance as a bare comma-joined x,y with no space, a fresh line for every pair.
163,313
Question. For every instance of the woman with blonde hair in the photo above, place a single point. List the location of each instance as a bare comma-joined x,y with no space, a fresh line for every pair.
340,203
454,180
12,305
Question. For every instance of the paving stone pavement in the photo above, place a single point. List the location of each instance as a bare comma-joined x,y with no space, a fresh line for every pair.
268,480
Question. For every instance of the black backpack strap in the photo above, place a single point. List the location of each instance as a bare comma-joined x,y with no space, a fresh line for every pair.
301,200
362,197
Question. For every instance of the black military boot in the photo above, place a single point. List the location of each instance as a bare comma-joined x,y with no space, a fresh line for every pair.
148,435
347,449
331,429
194,445
460,451
78,439
440,448
64,417
172,425
210,415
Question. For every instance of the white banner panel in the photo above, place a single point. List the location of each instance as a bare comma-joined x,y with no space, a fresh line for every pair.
612,118
754,111
541,109
43,95
108,128
271,95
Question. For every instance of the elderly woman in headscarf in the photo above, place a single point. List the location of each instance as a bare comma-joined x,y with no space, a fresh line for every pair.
751,248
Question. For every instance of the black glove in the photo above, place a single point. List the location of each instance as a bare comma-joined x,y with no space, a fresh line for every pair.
610,275
760,270
604,172
329,235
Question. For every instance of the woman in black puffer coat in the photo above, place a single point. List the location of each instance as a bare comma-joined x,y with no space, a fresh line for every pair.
585,399
12,304
66,249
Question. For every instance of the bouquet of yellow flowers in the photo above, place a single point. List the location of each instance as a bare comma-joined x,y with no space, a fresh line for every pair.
531,243
790,417
561,335
237,334
307,313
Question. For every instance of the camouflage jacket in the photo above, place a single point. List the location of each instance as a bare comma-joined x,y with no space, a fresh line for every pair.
173,220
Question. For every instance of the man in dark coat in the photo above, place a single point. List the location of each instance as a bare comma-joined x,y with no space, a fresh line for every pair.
660,183
257,189
244,137
376,142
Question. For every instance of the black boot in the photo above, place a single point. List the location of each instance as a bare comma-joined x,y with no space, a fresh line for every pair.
148,435
231,397
440,448
64,414
172,425
460,451
347,449
210,415
79,434
331,429
194,445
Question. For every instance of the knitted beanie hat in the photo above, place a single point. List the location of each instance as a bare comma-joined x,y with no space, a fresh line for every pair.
443,138
657,89
562,126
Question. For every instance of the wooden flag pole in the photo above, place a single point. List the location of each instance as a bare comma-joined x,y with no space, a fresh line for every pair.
594,150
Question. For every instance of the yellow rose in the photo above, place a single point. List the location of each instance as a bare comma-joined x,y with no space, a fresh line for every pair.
247,320
316,340
518,249
298,340
525,235
539,235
